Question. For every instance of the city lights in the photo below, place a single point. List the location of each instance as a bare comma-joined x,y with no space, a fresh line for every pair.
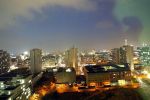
68,70
26,53
98,71
145,72
148,76
74,50
13,67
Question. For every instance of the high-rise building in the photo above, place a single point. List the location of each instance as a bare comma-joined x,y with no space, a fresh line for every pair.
129,52
144,55
71,58
118,56
115,53
123,55
36,61
4,61
136,58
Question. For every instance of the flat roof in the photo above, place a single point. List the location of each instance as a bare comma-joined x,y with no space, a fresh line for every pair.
11,87
107,68
23,72
60,69
63,69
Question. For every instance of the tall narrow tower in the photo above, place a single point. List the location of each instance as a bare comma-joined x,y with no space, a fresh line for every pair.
36,61
71,58
129,52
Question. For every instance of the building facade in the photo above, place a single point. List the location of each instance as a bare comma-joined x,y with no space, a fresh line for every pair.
144,55
36,61
123,55
129,52
115,53
101,75
49,60
66,75
16,85
118,56
71,58
4,61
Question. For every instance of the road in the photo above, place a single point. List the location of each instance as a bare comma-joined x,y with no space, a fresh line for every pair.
144,90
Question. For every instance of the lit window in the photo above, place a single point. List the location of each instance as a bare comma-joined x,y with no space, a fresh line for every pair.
55,70
9,92
68,70
9,99
29,81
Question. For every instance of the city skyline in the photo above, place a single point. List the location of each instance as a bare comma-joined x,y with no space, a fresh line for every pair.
57,25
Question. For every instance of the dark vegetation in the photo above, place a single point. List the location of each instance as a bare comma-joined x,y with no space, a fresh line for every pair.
115,94
46,79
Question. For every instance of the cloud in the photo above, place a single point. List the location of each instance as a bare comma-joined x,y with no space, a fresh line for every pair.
11,9
105,24
134,25
127,9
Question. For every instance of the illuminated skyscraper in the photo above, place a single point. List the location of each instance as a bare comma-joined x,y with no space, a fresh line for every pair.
115,55
71,58
118,56
36,61
144,55
123,55
129,52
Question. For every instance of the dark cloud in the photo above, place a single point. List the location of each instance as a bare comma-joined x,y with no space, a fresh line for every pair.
134,25
136,13
86,24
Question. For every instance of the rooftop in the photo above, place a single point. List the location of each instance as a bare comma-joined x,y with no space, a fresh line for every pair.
61,69
107,68
22,72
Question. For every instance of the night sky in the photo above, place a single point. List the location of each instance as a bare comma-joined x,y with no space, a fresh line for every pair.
60,24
